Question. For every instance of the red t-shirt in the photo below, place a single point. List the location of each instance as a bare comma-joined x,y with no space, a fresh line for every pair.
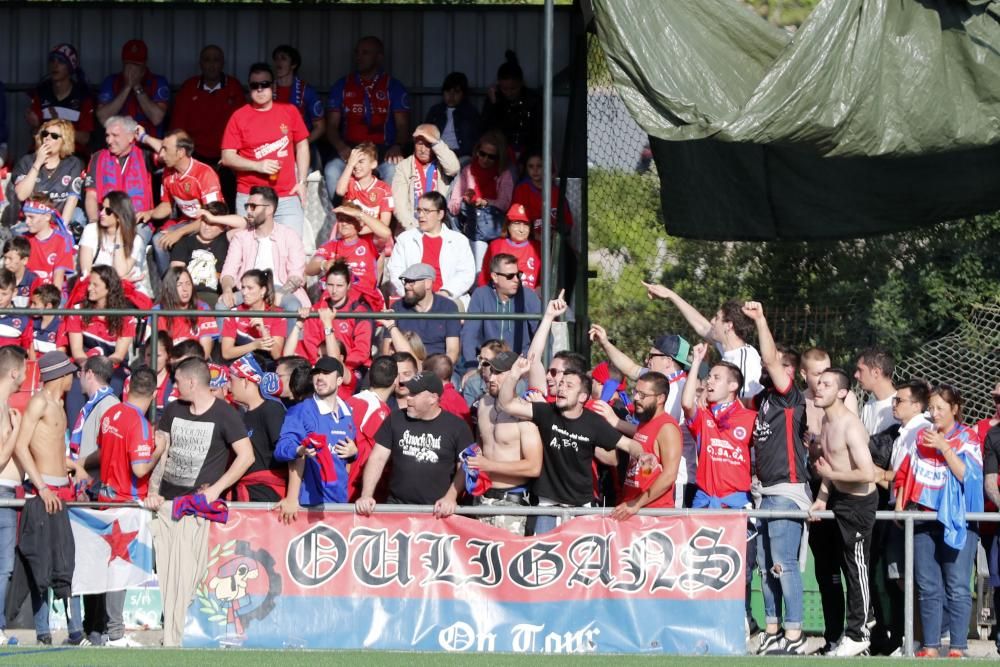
96,333
191,190
531,198
242,331
204,114
723,448
266,135
368,413
125,437
529,260
452,401
180,329
374,199
637,479
432,256
360,255
55,252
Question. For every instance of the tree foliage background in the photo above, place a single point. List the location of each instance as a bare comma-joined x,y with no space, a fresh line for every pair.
898,291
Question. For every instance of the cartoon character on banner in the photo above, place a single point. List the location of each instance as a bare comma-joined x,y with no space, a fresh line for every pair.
240,585
230,588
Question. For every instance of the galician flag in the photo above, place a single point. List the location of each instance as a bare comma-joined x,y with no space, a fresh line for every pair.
114,549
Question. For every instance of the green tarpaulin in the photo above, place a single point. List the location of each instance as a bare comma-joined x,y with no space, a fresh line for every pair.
875,116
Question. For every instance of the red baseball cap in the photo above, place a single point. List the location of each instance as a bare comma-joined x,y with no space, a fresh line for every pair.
517,213
135,51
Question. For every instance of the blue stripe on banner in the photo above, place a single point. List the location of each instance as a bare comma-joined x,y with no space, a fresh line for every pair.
140,553
595,626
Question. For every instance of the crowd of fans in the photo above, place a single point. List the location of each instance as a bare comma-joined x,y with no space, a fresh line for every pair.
321,406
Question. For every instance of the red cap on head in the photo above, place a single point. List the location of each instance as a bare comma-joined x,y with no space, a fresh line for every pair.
517,213
135,51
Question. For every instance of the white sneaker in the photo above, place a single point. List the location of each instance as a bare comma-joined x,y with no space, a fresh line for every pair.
849,648
125,641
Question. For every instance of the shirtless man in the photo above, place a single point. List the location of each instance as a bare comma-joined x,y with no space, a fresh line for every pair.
849,491
41,443
512,450
11,377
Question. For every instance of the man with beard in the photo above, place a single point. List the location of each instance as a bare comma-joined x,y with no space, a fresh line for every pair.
318,436
848,490
570,435
438,336
511,450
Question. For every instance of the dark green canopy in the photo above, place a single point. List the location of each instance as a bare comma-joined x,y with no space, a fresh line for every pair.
875,116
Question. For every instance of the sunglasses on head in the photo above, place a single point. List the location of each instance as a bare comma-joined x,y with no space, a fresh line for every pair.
45,134
487,156
260,85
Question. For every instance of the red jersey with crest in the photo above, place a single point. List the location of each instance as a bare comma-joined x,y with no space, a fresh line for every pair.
55,252
125,438
195,187
266,135
243,331
640,477
723,434
360,255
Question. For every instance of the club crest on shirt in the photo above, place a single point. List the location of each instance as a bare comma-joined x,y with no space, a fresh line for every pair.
283,128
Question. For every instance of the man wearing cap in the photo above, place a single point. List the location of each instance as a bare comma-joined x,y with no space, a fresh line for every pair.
64,94
318,439
135,91
41,452
438,336
432,166
504,295
423,442
431,242
517,242
257,392
570,436
669,356
511,450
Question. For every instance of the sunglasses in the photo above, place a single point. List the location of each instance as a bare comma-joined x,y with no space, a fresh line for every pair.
45,134
509,276
553,372
108,211
260,85
250,206
487,156
653,356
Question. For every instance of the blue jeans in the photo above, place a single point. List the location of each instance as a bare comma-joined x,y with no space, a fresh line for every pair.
8,539
40,609
335,167
942,575
778,555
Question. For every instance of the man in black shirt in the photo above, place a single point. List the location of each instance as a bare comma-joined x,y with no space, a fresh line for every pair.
991,472
423,442
201,434
570,435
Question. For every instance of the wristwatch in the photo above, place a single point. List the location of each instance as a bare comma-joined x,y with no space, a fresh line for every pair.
327,331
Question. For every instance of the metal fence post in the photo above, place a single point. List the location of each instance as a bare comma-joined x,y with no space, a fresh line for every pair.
154,322
908,588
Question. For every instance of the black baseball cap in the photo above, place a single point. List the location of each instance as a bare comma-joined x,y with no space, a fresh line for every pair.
424,382
327,365
503,361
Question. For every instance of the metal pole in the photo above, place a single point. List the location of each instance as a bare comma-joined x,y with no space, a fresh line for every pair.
154,321
547,156
908,588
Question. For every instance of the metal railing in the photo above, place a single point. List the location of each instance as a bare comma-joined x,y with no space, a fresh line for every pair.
906,518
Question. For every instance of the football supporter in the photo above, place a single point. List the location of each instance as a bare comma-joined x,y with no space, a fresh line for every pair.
875,367
432,167
571,435
16,253
451,401
126,454
64,94
204,253
52,256
188,184
52,170
256,392
351,246
511,452
438,336
446,251
45,328
369,408
346,339
121,166
14,329
847,489
289,88
296,383
983,426
423,443
504,294
515,240
135,91
318,438
562,361
782,469
367,105
407,366
114,241
455,117
513,108
358,184
991,488
943,473
267,145
12,374
177,293
728,330
262,337
528,193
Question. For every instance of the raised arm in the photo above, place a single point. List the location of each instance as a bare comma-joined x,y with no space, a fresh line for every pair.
689,398
768,350
616,357
556,307
697,321
506,400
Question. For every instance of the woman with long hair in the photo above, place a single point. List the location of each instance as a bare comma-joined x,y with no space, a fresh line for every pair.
943,474
109,335
177,293
52,170
264,337
482,193
113,241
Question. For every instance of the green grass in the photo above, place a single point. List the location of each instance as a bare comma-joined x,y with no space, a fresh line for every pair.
56,656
